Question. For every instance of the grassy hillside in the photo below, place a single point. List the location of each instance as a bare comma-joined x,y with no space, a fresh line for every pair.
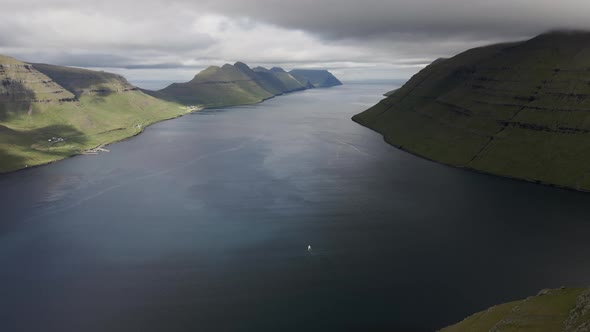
49,112
217,86
85,82
238,84
315,78
520,110
264,79
566,310
288,82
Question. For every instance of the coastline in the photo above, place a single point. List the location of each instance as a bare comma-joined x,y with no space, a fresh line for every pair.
107,143
533,181
92,147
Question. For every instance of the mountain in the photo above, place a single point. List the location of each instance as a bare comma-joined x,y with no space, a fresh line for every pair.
50,112
315,78
566,310
282,80
218,86
238,84
288,80
519,110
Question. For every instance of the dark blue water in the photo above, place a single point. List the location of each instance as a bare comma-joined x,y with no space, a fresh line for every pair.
202,224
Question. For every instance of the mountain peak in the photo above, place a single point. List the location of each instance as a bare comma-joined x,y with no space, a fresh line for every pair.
260,69
241,65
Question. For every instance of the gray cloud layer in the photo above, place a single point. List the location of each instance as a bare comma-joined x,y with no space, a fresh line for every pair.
398,36
360,19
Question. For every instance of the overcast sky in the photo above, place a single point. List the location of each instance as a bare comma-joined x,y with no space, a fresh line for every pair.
354,39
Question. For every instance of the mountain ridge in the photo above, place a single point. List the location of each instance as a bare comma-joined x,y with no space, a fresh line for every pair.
238,84
50,112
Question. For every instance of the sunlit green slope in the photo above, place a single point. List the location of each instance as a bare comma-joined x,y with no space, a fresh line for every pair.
49,112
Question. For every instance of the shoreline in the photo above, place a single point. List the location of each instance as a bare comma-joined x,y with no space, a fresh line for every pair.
102,145
538,182
105,144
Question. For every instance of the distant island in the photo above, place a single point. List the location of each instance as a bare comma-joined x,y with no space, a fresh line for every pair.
518,110
50,112
239,84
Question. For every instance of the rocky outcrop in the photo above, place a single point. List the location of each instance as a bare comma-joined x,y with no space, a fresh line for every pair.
85,82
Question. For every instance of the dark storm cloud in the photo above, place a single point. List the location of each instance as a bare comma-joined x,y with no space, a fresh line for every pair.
340,34
342,19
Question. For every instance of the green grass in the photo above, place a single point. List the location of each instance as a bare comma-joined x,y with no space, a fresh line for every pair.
520,110
237,84
279,80
215,87
85,124
90,108
542,313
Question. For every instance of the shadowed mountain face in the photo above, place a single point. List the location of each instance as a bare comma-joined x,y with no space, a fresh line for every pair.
315,78
239,84
520,110
22,86
280,79
15,98
85,82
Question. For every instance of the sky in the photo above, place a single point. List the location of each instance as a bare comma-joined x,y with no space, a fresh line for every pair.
356,40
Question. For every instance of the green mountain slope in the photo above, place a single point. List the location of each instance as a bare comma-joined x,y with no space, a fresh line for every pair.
217,86
288,82
519,110
565,310
49,112
85,82
315,78
238,84
264,79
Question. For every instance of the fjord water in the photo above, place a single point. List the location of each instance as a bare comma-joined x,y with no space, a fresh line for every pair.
203,223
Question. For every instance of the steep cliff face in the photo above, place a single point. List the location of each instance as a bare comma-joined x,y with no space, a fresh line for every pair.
50,112
312,78
23,86
566,310
520,110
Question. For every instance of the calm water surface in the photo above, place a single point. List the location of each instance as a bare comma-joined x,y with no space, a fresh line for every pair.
202,224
